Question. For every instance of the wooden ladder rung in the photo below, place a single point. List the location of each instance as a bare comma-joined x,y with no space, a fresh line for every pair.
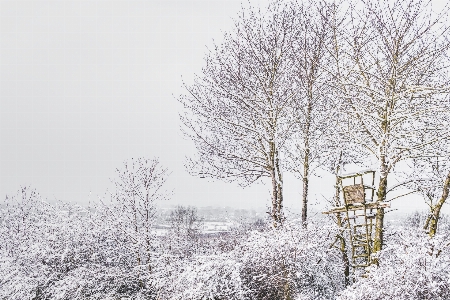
361,241
361,266
360,234
361,225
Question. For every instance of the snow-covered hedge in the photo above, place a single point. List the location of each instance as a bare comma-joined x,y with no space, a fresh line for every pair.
69,252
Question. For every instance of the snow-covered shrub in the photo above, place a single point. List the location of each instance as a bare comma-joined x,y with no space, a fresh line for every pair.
291,262
63,251
215,277
269,264
411,266
99,282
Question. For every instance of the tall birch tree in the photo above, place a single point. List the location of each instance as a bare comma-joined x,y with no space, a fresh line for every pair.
316,113
238,112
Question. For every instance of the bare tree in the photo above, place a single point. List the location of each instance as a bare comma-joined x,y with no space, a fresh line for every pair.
185,221
185,231
435,190
392,62
430,177
316,112
238,112
139,185
19,215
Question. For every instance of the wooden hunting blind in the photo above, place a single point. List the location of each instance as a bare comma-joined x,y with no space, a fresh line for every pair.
359,211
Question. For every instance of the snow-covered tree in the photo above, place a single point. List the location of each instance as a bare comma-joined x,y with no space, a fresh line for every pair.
238,112
185,230
20,217
316,113
139,185
430,176
391,69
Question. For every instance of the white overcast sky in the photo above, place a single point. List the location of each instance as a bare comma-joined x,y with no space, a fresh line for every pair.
85,85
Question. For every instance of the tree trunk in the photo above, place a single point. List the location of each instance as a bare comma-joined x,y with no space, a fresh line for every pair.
305,189
286,285
277,188
306,160
343,246
379,218
147,227
276,200
432,221
280,202
345,260
136,230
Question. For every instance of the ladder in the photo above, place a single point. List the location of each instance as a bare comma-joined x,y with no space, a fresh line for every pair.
361,240
359,211
359,217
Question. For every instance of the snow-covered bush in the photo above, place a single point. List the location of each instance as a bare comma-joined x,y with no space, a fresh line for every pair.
215,277
63,251
412,266
291,262
269,264
100,282
416,219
